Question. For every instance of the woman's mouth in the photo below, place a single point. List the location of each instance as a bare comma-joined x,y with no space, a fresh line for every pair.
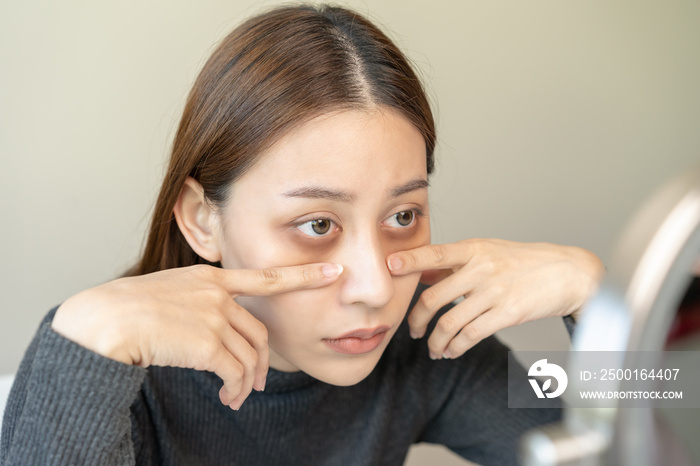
358,341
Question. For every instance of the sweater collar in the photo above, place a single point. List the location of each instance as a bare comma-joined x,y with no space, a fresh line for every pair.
278,381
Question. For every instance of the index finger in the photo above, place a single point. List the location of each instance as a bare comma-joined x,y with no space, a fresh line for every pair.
429,257
264,282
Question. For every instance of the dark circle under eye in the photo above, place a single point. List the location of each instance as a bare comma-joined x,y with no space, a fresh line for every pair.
405,217
321,226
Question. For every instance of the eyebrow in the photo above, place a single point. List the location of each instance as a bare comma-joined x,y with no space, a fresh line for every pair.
315,192
318,192
412,185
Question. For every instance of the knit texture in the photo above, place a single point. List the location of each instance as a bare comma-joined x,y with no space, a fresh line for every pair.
71,406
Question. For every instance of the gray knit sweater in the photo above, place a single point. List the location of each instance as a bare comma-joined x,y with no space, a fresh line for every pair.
70,406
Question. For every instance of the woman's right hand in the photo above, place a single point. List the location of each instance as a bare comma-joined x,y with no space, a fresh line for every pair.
186,317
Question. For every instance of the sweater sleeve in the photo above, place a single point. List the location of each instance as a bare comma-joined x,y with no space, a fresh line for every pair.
570,324
476,422
69,405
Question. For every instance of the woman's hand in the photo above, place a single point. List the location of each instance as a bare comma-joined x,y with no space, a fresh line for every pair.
503,283
186,317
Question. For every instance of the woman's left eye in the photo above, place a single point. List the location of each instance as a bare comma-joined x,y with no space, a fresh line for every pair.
402,219
316,227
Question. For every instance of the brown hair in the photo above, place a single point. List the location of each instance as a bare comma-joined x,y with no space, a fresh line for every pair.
272,73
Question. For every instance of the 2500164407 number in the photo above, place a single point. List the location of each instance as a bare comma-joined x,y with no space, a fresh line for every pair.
639,374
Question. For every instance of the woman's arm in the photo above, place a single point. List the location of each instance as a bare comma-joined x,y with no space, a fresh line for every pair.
69,405
186,317
72,396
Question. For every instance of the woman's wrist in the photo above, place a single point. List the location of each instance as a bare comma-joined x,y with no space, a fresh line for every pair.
590,273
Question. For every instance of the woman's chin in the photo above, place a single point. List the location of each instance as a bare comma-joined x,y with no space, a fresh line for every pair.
345,371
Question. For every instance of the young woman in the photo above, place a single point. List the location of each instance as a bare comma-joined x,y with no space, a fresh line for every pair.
268,320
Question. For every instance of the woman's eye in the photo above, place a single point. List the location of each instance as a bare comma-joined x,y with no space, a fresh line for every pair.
317,227
402,219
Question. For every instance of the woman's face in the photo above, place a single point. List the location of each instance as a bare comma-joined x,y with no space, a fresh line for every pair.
348,188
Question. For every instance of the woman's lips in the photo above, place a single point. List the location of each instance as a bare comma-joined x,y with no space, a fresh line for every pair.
358,341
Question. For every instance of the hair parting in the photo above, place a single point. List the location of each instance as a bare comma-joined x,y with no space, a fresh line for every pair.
271,74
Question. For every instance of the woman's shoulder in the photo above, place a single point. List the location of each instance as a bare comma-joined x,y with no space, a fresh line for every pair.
62,388
51,352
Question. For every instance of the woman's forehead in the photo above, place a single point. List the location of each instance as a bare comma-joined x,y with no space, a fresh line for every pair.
346,148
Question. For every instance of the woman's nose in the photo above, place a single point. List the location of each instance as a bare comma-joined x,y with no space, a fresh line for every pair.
366,277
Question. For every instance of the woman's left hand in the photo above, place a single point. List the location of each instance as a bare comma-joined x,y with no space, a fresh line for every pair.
503,283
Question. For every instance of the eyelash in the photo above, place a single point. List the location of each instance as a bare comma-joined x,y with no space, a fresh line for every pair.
417,213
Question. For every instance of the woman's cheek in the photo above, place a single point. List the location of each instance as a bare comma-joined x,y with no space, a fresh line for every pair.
301,250
403,241
404,288
282,250
269,310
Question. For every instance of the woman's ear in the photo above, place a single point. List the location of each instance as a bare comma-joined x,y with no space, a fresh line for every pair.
197,221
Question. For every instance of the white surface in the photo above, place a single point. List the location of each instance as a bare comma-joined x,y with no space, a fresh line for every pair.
426,454
5,385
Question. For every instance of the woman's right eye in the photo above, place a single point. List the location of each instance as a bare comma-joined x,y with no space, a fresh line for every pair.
317,227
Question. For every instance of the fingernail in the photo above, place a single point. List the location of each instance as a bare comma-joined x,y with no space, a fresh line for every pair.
395,264
237,405
332,270
447,355
434,356
260,386
415,335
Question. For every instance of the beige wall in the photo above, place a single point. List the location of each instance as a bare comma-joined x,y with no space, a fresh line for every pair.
555,120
